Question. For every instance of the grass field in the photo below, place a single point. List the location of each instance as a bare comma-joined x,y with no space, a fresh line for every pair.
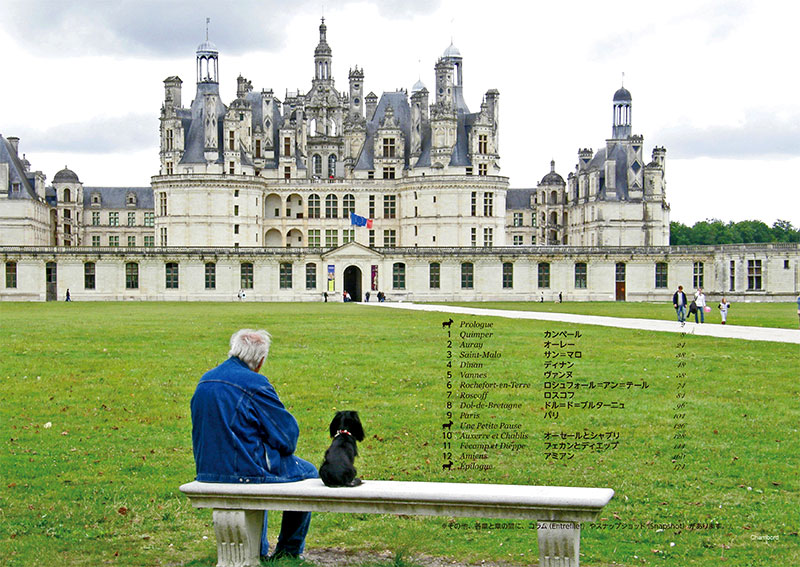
96,430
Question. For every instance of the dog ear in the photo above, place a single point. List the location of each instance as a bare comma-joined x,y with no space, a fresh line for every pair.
355,425
335,424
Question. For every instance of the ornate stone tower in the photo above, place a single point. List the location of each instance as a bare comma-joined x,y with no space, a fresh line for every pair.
356,92
444,118
323,56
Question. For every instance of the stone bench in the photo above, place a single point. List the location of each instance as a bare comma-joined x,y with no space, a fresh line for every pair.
557,511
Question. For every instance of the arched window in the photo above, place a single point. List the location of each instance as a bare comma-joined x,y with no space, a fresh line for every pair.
311,276
467,275
331,207
544,275
580,275
317,164
508,275
313,206
332,166
211,275
131,275
67,195
285,276
246,275
348,205
434,275
398,275
661,275
89,275
553,198
171,269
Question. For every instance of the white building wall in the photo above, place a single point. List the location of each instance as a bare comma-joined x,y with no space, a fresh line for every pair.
780,273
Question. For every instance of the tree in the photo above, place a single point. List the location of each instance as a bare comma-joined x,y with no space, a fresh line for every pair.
679,234
714,231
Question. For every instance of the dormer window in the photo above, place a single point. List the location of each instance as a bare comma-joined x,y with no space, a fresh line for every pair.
96,199
483,144
130,199
388,148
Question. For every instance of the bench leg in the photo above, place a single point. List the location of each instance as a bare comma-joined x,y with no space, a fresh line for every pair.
238,537
559,544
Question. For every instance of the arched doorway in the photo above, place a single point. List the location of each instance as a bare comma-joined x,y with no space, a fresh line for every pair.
352,282
619,281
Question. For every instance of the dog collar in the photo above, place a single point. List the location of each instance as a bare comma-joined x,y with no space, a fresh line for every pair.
343,431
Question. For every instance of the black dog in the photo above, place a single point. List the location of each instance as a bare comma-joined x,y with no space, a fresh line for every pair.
337,469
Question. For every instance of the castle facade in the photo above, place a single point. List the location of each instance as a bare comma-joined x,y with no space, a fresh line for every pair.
330,190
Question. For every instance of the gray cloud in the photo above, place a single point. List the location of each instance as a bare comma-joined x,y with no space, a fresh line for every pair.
720,20
164,28
762,134
103,135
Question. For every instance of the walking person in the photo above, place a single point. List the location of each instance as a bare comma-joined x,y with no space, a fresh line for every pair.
679,303
724,305
68,297
700,301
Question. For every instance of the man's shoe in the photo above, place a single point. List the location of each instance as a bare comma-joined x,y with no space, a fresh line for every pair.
280,554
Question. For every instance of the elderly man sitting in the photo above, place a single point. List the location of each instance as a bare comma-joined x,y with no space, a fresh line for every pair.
241,432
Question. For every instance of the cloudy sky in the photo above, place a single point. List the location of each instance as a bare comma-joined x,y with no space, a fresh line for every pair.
713,81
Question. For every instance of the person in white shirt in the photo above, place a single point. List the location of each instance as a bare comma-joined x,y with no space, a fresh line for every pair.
700,301
724,305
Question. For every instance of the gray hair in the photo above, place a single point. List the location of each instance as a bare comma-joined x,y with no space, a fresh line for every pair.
250,346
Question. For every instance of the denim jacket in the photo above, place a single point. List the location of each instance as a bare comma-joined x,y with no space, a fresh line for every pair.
241,432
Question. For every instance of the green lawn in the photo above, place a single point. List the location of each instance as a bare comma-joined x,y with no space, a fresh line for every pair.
98,485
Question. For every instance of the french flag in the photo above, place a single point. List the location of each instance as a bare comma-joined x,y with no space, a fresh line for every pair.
358,220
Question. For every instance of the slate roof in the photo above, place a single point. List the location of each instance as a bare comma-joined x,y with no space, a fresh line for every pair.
116,197
194,142
66,176
519,198
402,113
16,173
622,94
620,155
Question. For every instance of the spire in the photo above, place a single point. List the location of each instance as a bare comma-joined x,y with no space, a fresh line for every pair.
207,60
623,103
323,56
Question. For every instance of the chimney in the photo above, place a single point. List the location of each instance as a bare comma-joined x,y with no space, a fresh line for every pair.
372,103
14,141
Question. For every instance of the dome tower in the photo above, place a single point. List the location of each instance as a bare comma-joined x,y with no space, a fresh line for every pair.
622,114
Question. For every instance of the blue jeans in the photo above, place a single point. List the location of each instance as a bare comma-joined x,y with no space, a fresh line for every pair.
292,539
294,525
700,310
681,311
